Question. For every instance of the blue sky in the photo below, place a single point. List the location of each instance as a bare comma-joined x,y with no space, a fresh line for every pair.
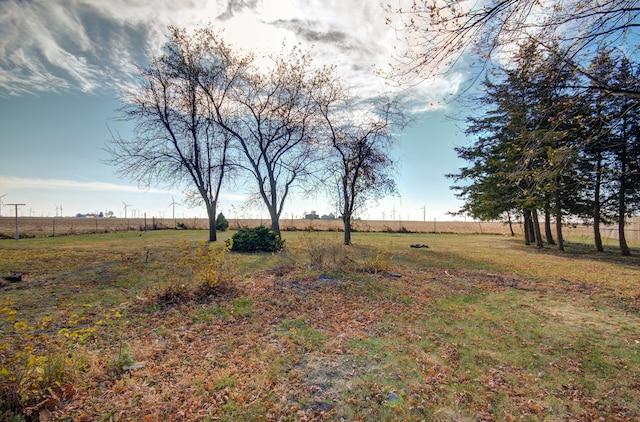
63,65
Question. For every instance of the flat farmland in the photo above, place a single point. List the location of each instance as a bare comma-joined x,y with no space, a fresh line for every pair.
49,226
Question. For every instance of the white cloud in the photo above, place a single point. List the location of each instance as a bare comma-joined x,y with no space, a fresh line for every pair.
19,183
86,45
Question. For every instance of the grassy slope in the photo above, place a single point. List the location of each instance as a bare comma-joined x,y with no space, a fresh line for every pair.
477,327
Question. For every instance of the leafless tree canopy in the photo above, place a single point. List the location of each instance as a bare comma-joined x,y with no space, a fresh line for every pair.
440,33
176,141
202,109
360,137
276,125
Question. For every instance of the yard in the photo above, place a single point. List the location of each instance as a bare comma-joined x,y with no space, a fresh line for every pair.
130,326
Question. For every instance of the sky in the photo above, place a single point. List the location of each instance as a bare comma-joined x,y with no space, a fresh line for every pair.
64,64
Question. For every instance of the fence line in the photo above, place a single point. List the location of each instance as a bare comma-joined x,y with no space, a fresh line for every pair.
58,226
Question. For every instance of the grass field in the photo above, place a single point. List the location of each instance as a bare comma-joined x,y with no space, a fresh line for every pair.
118,326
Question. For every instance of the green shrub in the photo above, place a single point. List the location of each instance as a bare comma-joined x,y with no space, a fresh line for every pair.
255,239
221,223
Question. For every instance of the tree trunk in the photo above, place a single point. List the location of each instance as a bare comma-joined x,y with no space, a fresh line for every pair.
624,248
527,227
510,224
536,229
211,213
622,201
275,222
597,238
558,213
559,233
547,227
346,219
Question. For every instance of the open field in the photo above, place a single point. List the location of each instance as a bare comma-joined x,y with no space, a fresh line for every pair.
118,327
49,226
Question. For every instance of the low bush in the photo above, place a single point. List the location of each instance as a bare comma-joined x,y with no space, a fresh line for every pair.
209,265
257,239
197,272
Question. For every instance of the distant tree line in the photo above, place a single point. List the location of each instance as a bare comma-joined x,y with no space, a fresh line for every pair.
98,214
205,113
550,143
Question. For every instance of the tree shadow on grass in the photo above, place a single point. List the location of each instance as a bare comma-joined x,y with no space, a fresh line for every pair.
586,252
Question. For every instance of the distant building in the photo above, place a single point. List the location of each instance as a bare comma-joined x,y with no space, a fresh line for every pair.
311,216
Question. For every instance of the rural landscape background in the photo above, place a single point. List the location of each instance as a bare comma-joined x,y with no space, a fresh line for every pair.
60,226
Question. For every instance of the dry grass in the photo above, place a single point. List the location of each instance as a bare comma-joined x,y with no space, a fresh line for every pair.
472,328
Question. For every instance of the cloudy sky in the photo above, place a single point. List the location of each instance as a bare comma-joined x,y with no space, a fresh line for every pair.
63,64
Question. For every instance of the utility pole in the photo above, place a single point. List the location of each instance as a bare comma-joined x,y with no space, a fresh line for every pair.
17,205
424,213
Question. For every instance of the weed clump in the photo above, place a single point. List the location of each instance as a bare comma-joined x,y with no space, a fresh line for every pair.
29,377
378,263
198,272
257,239
121,360
322,253
210,267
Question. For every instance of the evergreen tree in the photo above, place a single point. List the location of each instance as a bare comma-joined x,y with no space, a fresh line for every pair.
626,150
222,223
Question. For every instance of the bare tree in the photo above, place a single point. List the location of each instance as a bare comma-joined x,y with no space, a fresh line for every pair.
361,139
275,122
201,100
176,141
440,32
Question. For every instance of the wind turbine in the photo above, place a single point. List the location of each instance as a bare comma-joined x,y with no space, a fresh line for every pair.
59,207
2,196
173,203
125,208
